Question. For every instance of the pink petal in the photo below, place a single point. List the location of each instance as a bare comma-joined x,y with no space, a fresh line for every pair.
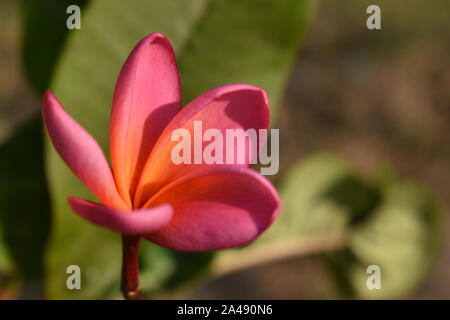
146,98
223,208
81,152
136,222
236,106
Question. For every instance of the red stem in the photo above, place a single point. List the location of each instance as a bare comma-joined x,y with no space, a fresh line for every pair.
130,267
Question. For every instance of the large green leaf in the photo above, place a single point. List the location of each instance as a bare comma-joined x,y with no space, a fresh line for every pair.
216,42
243,41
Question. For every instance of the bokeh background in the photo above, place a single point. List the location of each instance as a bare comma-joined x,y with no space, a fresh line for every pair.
364,120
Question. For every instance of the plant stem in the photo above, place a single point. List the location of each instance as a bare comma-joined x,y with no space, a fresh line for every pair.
130,267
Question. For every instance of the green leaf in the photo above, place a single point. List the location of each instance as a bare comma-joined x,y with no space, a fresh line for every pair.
402,238
329,209
5,259
44,33
240,41
24,202
163,269
216,42
321,197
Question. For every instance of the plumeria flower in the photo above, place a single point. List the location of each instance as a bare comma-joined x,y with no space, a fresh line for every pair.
189,207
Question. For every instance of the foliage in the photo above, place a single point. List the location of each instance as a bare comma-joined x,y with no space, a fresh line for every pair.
357,223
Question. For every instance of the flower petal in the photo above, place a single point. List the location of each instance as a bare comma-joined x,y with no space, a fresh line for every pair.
138,222
236,106
223,208
81,152
146,98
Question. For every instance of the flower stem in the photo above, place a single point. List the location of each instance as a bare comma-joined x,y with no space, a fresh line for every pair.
130,267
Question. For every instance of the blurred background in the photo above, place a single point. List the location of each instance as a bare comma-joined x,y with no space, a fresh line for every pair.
364,121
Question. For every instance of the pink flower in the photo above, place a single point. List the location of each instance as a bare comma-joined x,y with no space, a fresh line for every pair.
190,207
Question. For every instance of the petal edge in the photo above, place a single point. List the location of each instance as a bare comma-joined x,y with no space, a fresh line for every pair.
137,222
223,208
81,152
146,97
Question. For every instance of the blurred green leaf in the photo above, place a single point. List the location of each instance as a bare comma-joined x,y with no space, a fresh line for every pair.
24,202
44,35
241,41
217,42
402,238
327,208
163,269
329,212
5,259
321,196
